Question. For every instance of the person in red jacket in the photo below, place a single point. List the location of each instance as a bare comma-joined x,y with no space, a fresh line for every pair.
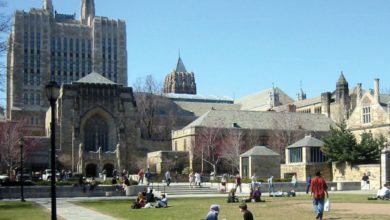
318,190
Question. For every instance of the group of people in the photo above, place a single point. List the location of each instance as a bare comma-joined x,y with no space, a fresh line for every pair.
215,209
195,179
146,199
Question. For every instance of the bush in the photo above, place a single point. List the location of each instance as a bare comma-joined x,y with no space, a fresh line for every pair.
186,170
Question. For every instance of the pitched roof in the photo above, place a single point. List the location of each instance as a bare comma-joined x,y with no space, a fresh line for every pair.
260,100
263,120
259,151
342,79
95,78
180,68
307,141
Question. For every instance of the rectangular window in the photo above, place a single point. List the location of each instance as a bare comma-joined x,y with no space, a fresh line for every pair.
316,155
295,155
366,115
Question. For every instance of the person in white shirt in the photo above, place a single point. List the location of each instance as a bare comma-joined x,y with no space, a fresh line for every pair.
384,192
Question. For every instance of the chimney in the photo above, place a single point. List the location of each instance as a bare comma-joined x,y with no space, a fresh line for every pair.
358,93
376,89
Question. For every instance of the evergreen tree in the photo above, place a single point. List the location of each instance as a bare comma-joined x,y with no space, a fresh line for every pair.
369,149
340,145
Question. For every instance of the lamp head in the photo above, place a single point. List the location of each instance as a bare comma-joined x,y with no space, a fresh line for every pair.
52,91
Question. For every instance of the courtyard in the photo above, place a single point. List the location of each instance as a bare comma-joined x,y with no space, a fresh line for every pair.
345,205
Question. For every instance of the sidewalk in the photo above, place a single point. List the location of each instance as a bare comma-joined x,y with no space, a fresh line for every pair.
66,209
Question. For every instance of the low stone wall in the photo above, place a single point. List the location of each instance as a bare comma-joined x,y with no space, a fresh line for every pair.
345,172
301,187
13,192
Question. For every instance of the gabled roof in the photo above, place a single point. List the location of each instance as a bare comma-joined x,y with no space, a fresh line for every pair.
180,68
261,100
263,120
95,78
307,141
342,79
259,151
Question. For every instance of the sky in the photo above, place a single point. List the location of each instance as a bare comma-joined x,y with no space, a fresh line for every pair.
237,48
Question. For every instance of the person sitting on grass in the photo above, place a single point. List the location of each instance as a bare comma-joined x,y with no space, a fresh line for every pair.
384,192
150,196
213,213
139,202
231,196
163,202
257,194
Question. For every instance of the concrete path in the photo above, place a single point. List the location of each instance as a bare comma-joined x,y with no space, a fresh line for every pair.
68,210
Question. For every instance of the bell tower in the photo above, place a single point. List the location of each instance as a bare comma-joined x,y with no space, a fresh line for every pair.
87,12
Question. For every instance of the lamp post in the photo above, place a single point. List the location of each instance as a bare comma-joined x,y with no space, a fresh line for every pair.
176,168
52,93
21,143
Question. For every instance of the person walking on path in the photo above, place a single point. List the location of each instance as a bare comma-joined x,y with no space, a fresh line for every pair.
365,181
148,176
270,185
254,180
247,215
308,182
294,181
168,177
238,182
141,176
318,190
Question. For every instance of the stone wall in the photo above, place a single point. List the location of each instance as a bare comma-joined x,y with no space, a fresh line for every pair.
346,172
265,166
305,170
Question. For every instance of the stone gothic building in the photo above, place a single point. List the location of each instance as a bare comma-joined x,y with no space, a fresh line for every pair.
45,45
96,126
180,81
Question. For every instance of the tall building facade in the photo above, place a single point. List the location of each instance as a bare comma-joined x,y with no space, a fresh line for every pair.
45,45
180,81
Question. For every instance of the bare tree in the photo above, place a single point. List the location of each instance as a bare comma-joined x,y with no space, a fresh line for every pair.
5,25
208,147
10,134
287,131
148,94
234,144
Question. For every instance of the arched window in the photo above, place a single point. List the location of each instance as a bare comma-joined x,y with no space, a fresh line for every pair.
96,134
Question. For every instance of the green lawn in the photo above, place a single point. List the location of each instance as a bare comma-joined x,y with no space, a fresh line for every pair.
274,208
22,210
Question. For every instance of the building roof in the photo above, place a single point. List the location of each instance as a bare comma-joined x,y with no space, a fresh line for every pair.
261,101
199,98
342,79
259,151
200,108
384,99
307,141
263,120
95,78
180,68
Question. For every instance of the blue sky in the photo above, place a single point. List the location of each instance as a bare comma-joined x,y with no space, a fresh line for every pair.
236,48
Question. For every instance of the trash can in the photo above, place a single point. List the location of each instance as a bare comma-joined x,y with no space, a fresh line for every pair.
340,186
108,194
128,191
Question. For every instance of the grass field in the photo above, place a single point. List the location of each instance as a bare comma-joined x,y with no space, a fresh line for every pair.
345,206
16,210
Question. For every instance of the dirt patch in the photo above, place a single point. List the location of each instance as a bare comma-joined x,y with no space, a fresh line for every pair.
359,208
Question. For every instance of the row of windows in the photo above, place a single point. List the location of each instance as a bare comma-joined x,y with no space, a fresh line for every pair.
32,79
316,155
30,39
34,121
32,98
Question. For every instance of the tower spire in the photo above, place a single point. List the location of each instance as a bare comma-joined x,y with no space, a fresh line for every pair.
87,11
48,6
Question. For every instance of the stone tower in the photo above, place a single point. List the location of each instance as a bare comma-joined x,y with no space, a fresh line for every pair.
180,81
45,45
87,12
342,99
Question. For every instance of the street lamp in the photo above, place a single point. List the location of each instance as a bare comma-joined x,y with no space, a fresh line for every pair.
21,143
176,167
52,93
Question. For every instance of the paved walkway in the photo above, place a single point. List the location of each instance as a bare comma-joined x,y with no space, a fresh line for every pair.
68,210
